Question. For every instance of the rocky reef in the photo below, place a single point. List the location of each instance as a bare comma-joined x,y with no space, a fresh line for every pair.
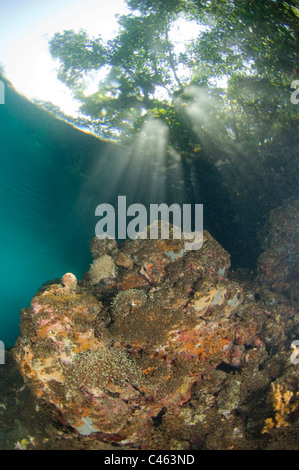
161,349
279,263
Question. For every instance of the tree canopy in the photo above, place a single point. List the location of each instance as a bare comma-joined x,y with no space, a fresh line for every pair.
250,46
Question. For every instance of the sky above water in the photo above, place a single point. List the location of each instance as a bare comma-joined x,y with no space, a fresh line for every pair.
26,26
25,29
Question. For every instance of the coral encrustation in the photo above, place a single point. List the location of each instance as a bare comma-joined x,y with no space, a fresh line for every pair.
113,358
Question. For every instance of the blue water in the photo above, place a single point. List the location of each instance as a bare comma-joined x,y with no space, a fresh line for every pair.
40,236
27,261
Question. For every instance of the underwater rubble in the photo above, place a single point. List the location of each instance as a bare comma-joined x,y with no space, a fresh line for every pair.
158,348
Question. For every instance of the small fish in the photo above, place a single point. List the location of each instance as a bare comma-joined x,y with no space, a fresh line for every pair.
145,271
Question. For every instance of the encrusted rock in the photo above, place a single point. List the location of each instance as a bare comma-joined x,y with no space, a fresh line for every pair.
113,359
278,266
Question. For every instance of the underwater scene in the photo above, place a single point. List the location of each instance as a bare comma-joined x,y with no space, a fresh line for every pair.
149,239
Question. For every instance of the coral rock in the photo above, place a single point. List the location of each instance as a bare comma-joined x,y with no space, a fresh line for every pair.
279,263
111,369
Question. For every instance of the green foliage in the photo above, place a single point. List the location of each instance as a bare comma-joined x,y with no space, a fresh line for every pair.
252,45
77,54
